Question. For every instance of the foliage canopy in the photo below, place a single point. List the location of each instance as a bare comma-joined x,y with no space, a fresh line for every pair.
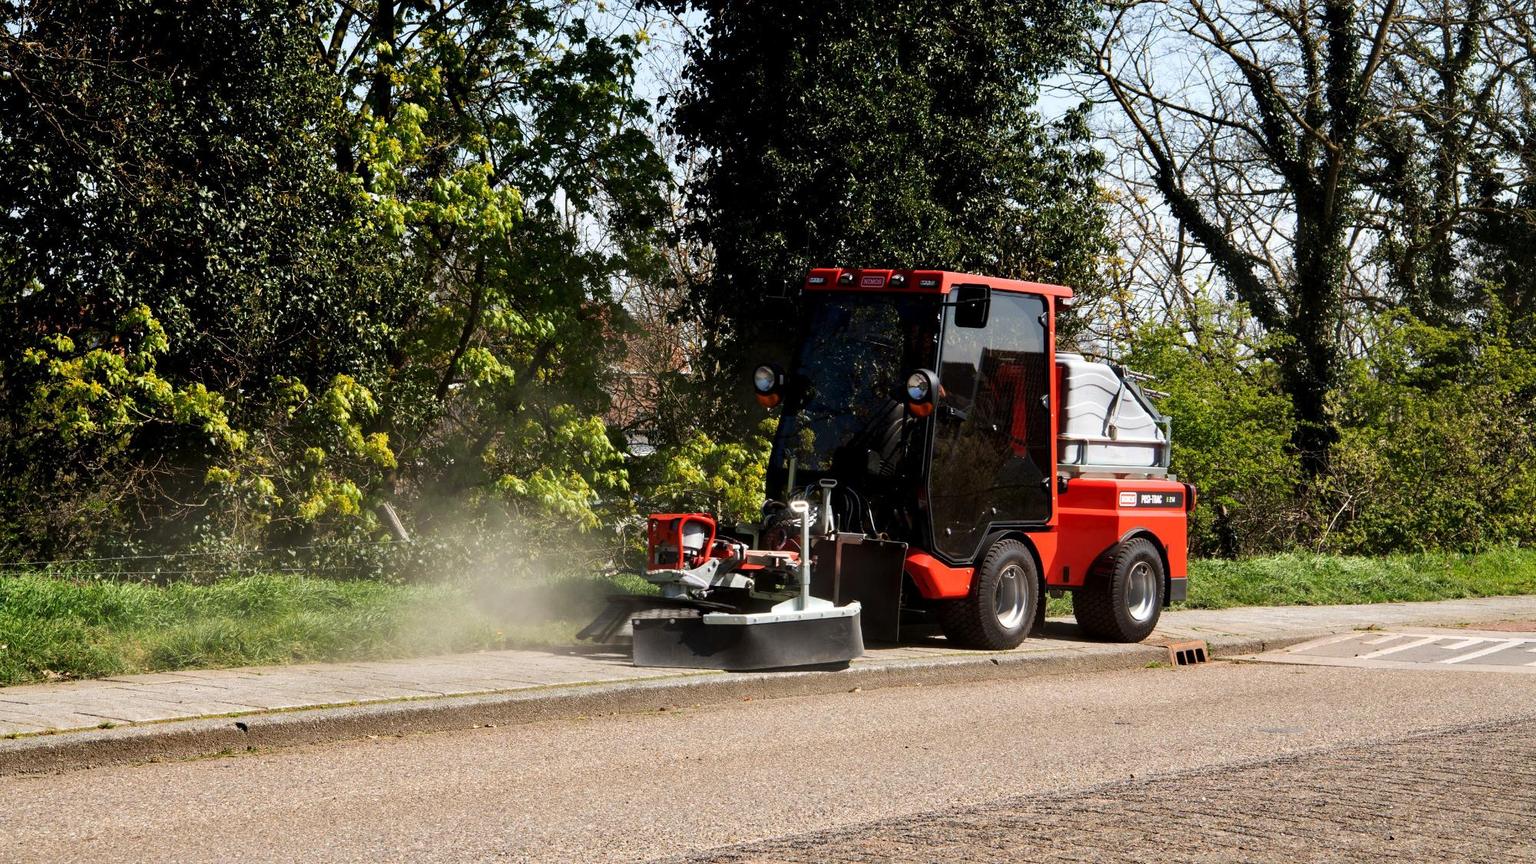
267,266
863,133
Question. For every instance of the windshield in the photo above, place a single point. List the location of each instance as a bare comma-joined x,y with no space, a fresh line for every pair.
856,349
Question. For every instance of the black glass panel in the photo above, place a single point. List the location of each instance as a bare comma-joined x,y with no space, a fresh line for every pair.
843,401
991,446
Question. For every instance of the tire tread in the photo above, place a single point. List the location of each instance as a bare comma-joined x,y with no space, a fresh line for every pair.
1096,606
961,619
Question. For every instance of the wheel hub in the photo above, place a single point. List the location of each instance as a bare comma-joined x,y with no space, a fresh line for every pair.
1010,597
1141,592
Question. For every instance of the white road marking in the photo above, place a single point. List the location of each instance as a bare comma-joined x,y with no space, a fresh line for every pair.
1492,649
1447,643
1342,637
1320,643
1417,643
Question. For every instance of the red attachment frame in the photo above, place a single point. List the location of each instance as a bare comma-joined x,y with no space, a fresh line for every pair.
665,533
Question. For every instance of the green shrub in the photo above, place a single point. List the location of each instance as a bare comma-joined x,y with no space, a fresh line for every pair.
1231,426
1437,444
1438,447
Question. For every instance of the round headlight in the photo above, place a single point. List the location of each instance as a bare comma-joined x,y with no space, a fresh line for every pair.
765,379
917,387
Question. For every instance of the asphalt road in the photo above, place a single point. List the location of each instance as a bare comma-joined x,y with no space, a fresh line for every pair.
1467,794
1129,747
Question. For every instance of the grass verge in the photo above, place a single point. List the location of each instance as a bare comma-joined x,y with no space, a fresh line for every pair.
1321,580
1324,580
57,627
54,627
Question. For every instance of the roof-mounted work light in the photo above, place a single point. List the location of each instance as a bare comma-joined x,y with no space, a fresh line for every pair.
768,384
922,387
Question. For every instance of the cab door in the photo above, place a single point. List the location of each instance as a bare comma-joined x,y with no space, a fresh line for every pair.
991,464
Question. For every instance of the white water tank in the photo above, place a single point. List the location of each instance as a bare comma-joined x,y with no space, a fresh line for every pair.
1104,422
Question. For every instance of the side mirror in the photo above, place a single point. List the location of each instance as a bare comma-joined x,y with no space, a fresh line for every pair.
973,303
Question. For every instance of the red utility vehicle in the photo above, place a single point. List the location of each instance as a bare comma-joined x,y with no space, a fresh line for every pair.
940,462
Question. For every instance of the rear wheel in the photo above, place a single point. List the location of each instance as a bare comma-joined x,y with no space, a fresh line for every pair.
1123,600
1000,609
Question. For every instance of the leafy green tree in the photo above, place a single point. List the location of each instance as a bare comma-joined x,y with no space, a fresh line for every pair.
1257,146
1500,220
177,157
852,132
378,243
725,479
1334,159
82,425
1435,448
1504,241
1454,165
174,241
307,470
1231,427
503,145
1420,158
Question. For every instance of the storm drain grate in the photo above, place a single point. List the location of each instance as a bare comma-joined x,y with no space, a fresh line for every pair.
1188,653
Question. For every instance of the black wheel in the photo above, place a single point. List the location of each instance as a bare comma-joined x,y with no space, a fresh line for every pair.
1000,610
1124,598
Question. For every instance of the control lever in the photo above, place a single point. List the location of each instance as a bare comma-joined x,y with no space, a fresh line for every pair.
828,521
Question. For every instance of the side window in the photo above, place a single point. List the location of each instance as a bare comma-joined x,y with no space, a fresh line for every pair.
991,447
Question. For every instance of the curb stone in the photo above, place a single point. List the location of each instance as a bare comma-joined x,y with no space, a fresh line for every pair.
214,736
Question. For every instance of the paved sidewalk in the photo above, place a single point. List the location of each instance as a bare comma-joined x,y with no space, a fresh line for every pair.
142,699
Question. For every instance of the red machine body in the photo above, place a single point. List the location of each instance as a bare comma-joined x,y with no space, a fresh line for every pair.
1092,517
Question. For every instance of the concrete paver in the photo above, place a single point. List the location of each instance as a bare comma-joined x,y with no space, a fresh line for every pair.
190,694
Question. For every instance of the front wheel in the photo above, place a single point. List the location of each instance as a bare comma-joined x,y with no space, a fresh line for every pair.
1123,599
1000,609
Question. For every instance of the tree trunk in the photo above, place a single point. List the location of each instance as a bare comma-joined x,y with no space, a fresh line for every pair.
1310,362
1309,383
381,95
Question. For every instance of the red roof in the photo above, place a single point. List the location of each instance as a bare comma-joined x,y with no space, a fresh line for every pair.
919,281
